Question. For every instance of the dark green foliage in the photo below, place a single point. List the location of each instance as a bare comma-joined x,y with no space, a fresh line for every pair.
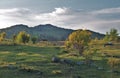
34,39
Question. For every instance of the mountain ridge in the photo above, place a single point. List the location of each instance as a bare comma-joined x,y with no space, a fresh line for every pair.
45,32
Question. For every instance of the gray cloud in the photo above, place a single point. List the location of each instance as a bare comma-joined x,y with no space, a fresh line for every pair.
98,20
107,11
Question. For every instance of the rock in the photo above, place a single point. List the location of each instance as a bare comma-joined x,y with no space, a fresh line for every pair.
55,59
108,44
100,68
39,73
29,70
80,63
115,71
62,61
66,61
93,65
116,56
10,66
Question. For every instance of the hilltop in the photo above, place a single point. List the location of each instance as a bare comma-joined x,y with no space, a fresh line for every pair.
47,32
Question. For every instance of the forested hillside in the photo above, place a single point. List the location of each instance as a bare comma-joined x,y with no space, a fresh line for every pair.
44,32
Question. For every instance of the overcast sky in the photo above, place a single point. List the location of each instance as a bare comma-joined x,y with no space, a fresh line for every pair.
96,15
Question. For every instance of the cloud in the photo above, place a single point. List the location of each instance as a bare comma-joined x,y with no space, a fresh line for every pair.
107,11
15,12
15,16
98,20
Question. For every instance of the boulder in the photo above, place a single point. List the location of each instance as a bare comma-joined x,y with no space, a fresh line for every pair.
55,59
93,65
100,68
79,63
115,71
66,61
12,67
39,73
108,44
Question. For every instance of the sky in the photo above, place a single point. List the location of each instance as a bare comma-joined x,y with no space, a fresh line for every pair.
96,15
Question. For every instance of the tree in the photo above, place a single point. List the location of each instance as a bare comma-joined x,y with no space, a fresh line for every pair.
78,40
2,36
106,38
23,37
14,38
112,35
34,39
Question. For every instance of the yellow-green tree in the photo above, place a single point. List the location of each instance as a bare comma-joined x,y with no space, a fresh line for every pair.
78,40
2,36
22,37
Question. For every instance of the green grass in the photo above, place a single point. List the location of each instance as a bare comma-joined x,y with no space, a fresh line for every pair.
23,58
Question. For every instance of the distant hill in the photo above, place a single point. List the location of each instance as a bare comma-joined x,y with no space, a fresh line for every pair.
44,32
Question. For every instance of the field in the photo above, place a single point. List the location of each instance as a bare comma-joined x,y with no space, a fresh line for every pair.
24,61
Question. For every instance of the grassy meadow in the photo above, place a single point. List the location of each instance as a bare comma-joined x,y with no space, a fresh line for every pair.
24,61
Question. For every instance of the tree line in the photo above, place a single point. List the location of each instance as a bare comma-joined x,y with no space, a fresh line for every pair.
21,37
77,40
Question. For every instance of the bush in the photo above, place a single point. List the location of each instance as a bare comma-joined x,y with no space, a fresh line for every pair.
114,63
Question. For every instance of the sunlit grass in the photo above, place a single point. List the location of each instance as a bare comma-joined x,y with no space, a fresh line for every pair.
4,53
39,58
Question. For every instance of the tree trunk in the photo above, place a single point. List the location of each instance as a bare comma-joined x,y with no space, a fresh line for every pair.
81,50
